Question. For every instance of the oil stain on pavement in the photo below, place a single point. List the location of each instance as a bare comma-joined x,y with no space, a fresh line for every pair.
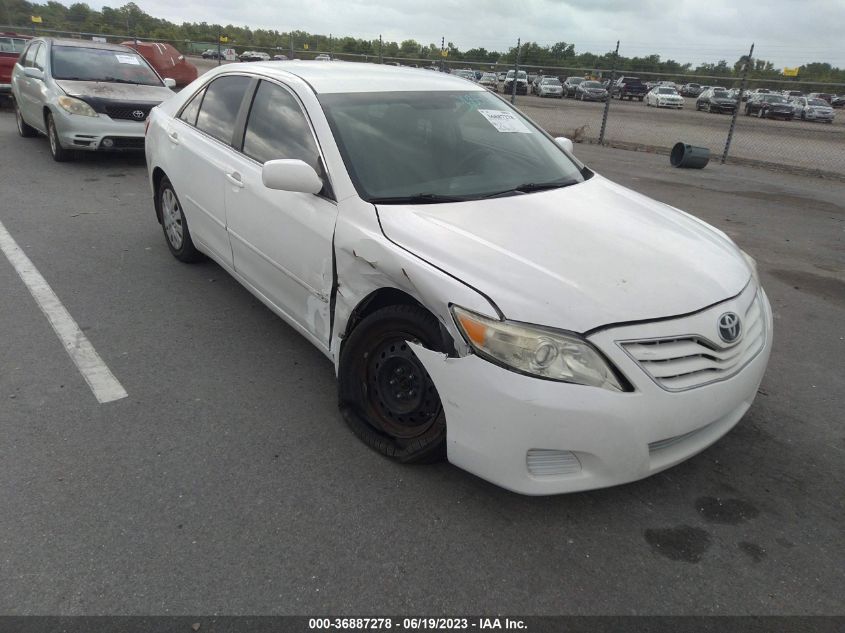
683,543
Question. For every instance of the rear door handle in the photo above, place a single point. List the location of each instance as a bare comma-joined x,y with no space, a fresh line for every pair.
235,178
174,137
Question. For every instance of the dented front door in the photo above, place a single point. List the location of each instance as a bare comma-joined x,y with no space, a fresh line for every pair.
282,245
281,240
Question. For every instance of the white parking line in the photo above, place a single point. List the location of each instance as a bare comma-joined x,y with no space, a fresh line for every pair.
96,373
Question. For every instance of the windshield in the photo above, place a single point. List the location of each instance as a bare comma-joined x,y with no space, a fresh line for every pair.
455,144
488,76
522,74
551,80
592,84
97,64
666,91
574,80
724,94
817,102
773,99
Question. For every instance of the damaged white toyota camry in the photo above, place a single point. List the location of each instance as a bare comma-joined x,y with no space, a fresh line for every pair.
482,294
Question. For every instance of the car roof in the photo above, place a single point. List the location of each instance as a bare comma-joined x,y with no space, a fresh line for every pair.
85,44
351,77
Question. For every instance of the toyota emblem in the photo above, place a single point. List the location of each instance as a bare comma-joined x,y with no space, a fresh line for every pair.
729,327
138,114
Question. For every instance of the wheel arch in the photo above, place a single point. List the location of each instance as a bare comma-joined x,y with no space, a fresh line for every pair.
156,177
389,296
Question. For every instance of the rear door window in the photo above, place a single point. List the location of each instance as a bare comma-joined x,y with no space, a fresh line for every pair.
220,106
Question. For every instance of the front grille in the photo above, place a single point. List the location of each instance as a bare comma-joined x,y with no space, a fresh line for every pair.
128,112
686,362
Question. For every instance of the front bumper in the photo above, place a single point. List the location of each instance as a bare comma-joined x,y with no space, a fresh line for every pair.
780,114
670,104
722,108
501,425
89,133
818,116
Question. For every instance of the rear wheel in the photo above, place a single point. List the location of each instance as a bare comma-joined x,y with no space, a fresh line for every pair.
175,225
386,395
59,153
24,129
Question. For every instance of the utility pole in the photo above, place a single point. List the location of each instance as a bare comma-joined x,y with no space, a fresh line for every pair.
516,70
738,104
609,89
218,47
380,61
291,44
442,50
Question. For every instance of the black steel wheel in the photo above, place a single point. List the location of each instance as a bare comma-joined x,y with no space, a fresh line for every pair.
386,395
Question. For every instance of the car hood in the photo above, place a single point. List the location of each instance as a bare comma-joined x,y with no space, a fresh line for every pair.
118,92
575,258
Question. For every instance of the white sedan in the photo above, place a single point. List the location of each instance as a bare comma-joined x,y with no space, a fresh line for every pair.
481,294
664,97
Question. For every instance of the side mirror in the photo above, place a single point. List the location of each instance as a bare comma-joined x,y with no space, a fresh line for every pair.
291,175
34,73
169,83
565,143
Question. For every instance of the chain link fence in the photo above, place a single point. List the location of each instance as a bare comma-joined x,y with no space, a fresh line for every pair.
802,146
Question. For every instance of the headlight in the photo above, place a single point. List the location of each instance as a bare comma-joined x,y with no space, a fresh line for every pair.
537,351
752,264
76,106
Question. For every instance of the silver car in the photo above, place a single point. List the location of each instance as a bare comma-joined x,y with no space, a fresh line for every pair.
809,109
85,95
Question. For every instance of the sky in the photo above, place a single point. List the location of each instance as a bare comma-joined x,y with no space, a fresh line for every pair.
785,32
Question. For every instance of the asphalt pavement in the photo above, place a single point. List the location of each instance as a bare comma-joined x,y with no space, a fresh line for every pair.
227,483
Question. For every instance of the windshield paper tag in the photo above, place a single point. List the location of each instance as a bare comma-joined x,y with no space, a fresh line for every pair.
128,59
504,121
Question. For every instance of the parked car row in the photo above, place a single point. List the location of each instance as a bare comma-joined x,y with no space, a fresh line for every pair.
661,94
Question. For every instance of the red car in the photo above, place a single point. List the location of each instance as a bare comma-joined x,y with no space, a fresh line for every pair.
11,47
167,61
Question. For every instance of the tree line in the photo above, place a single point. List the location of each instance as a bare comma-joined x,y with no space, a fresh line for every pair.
131,20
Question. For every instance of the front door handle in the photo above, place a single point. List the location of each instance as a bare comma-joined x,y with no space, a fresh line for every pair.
174,137
235,178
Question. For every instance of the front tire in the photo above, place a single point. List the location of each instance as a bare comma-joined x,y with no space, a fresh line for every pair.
174,224
24,129
59,153
385,394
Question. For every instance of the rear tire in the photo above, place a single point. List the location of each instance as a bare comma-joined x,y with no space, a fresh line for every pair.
174,224
24,129
385,394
